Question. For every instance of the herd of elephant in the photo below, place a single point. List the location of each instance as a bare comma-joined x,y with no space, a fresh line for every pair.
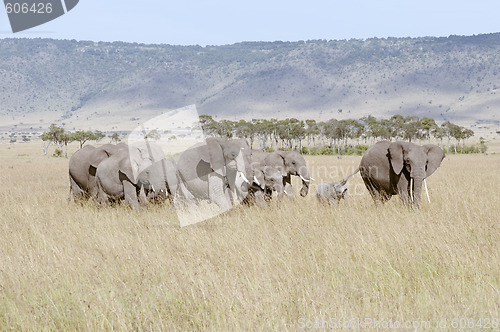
222,171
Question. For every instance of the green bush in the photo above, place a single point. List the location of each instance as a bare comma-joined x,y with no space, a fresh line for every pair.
357,150
58,153
469,149
326,151
360,150
314,151
268,149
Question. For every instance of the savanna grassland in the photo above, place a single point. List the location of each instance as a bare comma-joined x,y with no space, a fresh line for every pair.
64,266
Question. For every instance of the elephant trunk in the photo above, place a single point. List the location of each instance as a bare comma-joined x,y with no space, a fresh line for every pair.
306,180
416,190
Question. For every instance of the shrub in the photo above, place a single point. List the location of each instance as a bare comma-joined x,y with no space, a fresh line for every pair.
314,151
470,149
360,150
268,149
58,153
326,151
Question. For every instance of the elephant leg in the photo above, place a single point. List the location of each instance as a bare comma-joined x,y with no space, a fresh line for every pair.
287,184
403,190
75,191
102,198
378,194
288,191
268,195
92,186
260,199
130,193
218,192
143,200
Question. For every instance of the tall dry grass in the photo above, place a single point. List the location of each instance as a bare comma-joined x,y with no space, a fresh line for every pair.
65,266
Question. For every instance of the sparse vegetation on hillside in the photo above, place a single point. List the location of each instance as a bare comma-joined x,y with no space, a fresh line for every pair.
79,83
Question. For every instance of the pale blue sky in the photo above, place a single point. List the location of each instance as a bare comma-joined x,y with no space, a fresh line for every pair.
217,22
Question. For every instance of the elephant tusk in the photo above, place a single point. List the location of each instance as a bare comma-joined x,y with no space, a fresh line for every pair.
153,188
311,178
256,181
411,189
426,191
244,177
304,179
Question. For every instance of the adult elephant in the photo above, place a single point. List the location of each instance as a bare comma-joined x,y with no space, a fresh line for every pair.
288,163
125,174
210,170
267,179
82,166
399,168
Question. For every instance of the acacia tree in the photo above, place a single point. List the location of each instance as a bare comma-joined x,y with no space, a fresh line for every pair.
208,125
54,135
114,138
225,128
84,136
247,130
311,132
428,125
297,132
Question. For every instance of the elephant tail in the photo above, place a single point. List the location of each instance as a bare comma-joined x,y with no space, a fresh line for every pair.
347,178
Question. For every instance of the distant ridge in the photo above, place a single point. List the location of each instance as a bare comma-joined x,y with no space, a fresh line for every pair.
114,86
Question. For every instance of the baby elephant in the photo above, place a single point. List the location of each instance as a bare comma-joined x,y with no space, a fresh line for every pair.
332,192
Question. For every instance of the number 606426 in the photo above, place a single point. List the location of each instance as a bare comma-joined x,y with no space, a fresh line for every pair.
25,8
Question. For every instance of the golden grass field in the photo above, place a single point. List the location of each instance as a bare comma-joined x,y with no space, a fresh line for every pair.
64,266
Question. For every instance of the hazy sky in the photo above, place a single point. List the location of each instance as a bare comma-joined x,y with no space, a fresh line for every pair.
217,22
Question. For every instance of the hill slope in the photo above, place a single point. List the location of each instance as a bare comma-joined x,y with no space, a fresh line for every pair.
117,85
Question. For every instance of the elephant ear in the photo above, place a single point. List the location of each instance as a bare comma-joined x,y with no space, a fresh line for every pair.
277,160
216,156
130,164
396,156
92,170
435,156
259,175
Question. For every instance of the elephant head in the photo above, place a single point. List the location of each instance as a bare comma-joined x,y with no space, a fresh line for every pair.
291,163
231,156
267,177
154,180
416,163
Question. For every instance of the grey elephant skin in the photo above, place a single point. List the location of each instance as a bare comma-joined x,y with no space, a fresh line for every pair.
288,163
82,166
210,170
399,168
160,181
126,174
267,180
332,192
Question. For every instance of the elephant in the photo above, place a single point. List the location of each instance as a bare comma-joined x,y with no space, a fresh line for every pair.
160,180
82,166
266,180
333,192
132,172
288,163
212,169
390,168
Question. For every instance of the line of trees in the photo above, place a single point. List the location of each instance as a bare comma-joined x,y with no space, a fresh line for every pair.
304,135
60,138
